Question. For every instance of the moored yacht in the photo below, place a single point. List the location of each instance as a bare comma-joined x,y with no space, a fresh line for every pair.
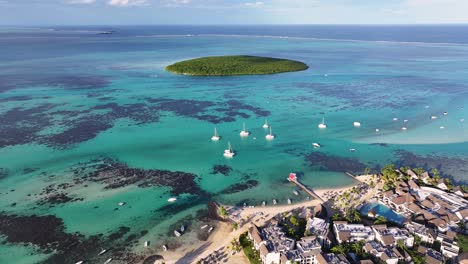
356,124
172,199
108,261
352,150
203,226
146,243
182,228
244,132
215,137
404,128
228,153
289,201
177,233
296,192
322,125
433,117
266,125
275,202
102,252
79,262
270,136
442,127
316,145
211,229
164,247
121,204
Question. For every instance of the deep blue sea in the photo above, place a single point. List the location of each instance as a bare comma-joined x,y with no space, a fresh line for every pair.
89,120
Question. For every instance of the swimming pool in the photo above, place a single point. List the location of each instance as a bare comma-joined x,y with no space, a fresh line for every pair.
384,211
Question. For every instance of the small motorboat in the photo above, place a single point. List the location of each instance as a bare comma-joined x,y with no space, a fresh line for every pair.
316,145
352,150
445,113
377,130
289,201
146,243
356,124
108,261
433,117
263,203
102,252
211,229
182,228
177,233
405,121
404,128
164,247
275,202
462,120
172,199
203,226
395,119
80,262
442,127
296,192
121,204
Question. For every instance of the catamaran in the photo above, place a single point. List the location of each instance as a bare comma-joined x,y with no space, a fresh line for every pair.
215,137
322,125
228,153
270,136
244,132
266,124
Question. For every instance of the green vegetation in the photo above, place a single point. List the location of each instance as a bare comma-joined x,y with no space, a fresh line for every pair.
355,247
223,212
252,254
294,227
462,242
389,177
235,65
380,220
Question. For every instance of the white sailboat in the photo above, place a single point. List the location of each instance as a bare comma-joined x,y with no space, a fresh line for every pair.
228,153
244,132
215,137
322,125
270,136
266,125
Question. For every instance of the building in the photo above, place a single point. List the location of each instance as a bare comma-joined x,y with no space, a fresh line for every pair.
458,191
352,232
389,255
320,229
412,174
389,236
270,242
423,232
448,246
433,257
308,251
424,177
441,184
335,259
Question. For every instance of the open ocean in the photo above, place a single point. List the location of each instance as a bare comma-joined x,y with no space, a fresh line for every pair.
88,120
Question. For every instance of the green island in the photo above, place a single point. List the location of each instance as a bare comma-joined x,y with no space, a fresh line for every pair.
235,65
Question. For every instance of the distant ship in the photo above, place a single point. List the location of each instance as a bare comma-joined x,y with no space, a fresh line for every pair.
270,136
215,137
266,124
322,125
228,153
244,132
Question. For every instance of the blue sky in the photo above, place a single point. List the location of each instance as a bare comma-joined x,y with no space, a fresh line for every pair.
83,12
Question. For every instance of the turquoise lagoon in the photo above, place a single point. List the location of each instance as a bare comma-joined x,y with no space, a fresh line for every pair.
70,98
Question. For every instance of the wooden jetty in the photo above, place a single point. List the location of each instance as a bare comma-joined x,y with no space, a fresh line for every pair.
293,178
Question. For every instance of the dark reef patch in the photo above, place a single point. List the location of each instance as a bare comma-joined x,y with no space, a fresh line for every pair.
455,168
239,187
3,173
334,163
221,169
115,175
57,198
16,98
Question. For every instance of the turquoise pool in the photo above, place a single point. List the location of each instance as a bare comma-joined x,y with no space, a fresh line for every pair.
384,211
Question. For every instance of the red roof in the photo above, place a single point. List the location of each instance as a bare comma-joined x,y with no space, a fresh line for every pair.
292,176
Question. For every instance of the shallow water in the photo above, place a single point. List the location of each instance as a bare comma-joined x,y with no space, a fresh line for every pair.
68,98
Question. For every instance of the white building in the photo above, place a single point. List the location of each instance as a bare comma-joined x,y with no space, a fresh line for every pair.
352,232
319,228
420,230
389,236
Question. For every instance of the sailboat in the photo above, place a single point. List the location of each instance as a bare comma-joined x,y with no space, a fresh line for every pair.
215,137
270,136
322,125
228,153
266,124
244,132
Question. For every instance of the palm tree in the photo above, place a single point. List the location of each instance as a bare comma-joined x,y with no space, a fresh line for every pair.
380,220
401,244
357,248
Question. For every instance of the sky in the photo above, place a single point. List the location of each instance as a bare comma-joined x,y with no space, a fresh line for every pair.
123,12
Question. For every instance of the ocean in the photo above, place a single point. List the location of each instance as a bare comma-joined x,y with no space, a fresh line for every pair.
89,120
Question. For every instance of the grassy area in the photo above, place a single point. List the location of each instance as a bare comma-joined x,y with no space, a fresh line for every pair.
462,242
252,254
235,65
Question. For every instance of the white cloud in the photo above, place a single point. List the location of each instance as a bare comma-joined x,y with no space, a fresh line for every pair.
81,2
175,3
128,2
255,4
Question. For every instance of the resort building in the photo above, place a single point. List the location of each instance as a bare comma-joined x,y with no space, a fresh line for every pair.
432,256
389,236
389,255
458,191
352,232
308,252
424,177
448,246
412,174
441,184
335,259
423,232
319,228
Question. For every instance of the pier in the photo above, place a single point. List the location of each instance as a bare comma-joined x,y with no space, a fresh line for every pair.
293,178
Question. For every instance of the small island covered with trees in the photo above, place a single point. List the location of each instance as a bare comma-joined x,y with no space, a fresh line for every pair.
235,65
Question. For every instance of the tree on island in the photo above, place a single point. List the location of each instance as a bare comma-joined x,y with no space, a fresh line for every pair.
389,176
418,171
